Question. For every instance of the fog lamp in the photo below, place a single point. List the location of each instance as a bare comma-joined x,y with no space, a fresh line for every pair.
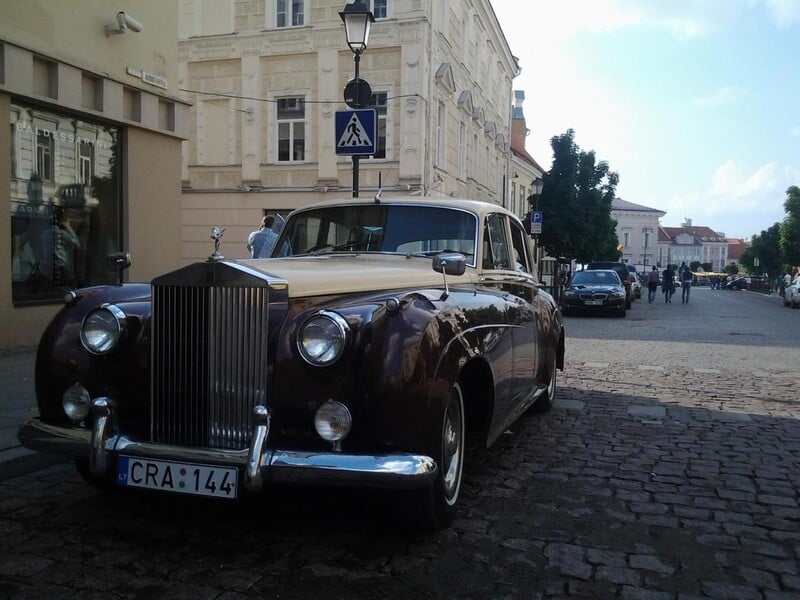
333,421
76,402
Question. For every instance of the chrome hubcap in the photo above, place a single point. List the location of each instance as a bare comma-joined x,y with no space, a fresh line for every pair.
452,446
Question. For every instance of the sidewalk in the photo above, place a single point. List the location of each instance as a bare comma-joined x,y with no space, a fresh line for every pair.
17,404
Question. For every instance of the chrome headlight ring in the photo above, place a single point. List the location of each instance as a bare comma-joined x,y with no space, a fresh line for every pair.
322,338
103,328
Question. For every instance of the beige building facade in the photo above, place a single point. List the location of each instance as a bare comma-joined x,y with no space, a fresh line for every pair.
266,78
91,153
638,233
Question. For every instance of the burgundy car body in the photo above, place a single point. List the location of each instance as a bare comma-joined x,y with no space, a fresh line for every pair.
210,369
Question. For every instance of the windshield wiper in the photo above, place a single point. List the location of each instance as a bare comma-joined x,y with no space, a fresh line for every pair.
351,245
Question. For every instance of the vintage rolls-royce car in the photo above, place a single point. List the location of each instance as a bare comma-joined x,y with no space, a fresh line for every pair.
377,336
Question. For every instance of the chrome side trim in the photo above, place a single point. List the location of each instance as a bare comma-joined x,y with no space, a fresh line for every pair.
390,471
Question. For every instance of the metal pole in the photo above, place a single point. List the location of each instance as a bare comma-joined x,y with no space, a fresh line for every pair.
356,157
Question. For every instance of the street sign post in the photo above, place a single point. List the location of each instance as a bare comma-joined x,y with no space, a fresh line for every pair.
536,222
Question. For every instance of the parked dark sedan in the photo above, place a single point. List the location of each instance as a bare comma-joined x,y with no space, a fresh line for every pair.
624,274
594,291
378,336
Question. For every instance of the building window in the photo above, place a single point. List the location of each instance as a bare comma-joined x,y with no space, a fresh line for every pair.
462,150
291,129
474,162
289,13
65,214
441,117
627,238
379,8
378,102
44,153
522,206
85,162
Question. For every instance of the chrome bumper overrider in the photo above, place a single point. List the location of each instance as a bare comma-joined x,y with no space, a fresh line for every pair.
260,464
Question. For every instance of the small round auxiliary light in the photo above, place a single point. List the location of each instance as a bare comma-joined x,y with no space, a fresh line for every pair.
76,402
333,421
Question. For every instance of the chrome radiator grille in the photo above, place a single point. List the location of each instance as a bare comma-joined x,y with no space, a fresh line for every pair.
209,363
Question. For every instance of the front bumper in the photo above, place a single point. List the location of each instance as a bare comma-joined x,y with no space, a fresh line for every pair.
260,464
608,304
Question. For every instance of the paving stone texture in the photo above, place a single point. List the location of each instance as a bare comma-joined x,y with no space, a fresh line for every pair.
668,483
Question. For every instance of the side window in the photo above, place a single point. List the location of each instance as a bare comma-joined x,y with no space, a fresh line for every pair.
520,249
496,251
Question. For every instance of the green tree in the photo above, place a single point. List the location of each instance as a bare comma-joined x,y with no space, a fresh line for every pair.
576,204
766,249
790,227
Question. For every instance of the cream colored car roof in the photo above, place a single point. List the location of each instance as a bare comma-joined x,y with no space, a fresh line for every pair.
478,207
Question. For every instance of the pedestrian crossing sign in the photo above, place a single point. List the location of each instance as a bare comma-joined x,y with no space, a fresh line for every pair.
355,131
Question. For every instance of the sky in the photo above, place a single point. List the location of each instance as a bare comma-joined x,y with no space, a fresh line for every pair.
695,103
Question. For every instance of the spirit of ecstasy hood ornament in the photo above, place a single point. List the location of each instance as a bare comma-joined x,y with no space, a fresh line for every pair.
216,235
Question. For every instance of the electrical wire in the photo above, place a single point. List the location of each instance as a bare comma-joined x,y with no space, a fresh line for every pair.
275,101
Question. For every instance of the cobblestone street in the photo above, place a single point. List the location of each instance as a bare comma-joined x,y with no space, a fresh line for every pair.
628,488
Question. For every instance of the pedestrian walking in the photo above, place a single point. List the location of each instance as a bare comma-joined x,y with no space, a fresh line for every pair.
652,284
686,277
668,284
260,242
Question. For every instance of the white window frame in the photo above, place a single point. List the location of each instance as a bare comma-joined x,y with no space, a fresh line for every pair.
384,4
441,130
84,164
387,124
462,149
292,122
46,154
290,14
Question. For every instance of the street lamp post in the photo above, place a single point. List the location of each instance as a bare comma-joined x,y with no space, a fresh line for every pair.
357,19
537,185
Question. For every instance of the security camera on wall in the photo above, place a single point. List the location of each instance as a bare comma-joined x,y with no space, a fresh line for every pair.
124,21
129,22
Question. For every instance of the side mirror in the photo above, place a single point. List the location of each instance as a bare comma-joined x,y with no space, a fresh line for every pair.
118,261
450,263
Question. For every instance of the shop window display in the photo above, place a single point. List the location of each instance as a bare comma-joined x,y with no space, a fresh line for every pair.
65,203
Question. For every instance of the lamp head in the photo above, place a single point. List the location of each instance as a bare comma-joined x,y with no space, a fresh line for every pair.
537,185
357,19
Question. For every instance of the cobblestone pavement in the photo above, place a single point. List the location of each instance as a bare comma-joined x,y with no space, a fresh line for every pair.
636,485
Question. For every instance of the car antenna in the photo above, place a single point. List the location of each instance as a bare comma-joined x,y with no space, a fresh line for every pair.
380,188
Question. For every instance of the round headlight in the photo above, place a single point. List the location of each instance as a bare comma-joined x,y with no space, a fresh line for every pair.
333,421
103,328
76,402
321,339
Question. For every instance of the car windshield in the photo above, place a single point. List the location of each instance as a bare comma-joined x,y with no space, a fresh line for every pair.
379,228
595,278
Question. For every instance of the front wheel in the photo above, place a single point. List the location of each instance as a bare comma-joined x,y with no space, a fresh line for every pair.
435,506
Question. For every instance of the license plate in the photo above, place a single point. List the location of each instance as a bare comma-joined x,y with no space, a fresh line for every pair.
593,302
182,478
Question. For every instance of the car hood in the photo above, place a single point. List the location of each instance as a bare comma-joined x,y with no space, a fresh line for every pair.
595,288
345,273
